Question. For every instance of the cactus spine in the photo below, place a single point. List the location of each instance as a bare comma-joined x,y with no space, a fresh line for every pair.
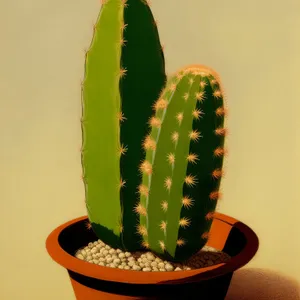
124,74
183,165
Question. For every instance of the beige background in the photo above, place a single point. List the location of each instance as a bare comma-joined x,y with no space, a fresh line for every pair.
254,45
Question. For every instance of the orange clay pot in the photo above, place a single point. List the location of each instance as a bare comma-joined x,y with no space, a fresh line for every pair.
91,282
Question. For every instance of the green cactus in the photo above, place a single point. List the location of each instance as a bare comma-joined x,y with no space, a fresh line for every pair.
183,165
124,75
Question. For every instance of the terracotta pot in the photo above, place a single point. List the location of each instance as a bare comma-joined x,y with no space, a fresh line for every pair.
91,282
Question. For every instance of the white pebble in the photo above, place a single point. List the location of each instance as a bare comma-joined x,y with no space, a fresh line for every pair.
116,261
121,267
94,255
105,252
126,268
141,265
121,255
131,258
131,263
143,255
95,261
147,264
80,256
101,263
109,260
140,260
107,247
112,251
83,252
118,251
123,264
90,245
146,269
155,269
169,267
136,268
127,254
162,270
150,256
153,264
112,265
178,269
161,265
102,259
89,257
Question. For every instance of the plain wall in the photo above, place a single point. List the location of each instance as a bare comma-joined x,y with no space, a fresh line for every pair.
253,45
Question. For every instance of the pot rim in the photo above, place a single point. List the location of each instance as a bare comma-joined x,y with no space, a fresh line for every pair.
70,262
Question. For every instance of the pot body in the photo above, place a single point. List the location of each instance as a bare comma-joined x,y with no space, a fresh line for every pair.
91,282
86,288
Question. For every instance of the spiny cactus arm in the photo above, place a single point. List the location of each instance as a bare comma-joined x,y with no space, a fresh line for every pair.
146,166
160,145
204,168
186,136
143,59
100,124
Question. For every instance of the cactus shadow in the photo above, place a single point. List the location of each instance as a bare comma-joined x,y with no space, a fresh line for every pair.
262,284
107,236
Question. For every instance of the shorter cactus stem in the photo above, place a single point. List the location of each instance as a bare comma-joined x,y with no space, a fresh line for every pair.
183,166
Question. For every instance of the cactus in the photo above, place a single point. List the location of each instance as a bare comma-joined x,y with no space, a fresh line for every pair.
152,152
183,165
124,75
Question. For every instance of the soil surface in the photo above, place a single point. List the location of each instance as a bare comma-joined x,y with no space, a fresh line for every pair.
103,255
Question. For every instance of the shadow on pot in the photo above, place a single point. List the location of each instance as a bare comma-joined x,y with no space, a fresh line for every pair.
262,284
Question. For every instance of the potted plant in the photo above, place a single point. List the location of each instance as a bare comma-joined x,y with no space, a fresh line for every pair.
152,157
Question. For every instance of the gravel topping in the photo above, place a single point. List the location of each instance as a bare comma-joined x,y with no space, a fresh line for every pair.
103,255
